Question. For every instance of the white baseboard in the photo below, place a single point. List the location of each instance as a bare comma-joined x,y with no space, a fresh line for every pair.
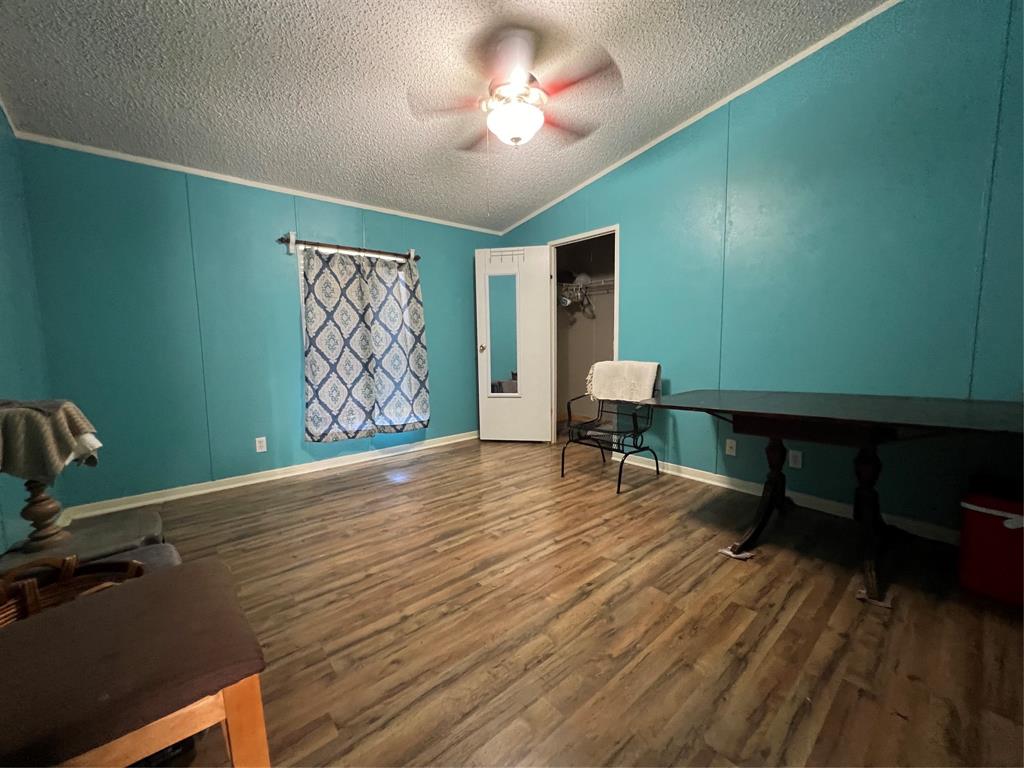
183,491
920,528
917,527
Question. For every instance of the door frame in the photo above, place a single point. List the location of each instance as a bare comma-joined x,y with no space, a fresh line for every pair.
612,229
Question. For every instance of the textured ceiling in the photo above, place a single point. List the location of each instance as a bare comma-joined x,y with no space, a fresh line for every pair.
315,94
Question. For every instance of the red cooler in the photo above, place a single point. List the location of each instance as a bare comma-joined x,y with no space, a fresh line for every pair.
992,548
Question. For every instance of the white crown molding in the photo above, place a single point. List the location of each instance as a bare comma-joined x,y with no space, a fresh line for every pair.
920,528
196,489
37,138
7,116
843,30
55,142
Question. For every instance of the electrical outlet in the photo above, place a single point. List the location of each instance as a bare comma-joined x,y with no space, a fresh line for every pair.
730,447
261,445
796,459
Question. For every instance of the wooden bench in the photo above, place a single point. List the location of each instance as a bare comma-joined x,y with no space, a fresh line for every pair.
115,676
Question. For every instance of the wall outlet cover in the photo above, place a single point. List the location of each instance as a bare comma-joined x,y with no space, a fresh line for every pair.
261,445
796,459
730,447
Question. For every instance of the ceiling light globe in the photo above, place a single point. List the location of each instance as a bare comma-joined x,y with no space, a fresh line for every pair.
515,122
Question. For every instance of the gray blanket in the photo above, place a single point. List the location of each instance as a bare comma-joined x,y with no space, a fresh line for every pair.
38,438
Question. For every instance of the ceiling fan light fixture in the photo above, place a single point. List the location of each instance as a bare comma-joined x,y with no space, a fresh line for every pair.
515,122
515,108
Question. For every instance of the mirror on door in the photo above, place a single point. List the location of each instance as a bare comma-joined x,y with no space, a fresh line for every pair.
501,291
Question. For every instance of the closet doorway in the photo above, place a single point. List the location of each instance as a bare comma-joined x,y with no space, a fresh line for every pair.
586,323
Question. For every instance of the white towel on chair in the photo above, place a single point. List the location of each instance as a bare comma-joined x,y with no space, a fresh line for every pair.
622,380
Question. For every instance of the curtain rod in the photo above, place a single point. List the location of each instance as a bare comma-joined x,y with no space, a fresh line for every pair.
291,241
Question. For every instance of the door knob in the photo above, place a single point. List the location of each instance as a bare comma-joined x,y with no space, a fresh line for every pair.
483,347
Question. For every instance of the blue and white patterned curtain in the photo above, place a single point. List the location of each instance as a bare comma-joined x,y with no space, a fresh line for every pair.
365,347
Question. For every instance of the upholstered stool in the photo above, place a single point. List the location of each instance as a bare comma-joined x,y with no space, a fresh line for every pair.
95,537
154,557
117,675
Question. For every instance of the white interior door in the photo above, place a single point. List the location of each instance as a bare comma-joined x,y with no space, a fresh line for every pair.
513,332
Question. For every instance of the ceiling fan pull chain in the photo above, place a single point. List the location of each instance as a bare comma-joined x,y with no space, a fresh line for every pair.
487,160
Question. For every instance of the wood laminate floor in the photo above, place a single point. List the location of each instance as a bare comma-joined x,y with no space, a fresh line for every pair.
466,605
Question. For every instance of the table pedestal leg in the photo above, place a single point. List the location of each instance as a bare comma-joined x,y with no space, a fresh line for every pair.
866,512
773,497
42,511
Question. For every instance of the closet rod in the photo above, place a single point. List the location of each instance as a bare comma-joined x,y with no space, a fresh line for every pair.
291,241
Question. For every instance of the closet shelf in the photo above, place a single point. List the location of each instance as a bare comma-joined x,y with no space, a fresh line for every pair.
603,285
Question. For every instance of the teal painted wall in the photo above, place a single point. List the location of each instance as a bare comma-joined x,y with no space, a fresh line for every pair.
172,317
853,224
111,248
850,225
997,362
22,359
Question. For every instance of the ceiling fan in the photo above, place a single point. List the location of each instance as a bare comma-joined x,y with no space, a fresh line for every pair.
517,104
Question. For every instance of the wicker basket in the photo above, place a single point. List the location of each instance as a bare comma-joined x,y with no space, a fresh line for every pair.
47,582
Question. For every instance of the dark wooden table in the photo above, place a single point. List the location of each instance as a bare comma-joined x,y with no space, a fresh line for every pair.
861,421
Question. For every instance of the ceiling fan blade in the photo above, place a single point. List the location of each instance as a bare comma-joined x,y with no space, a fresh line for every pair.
572,132
605,70
457,106
475,143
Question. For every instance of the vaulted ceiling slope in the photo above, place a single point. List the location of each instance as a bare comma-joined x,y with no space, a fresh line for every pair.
314,95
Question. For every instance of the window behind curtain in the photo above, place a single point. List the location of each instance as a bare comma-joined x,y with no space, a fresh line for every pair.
365,347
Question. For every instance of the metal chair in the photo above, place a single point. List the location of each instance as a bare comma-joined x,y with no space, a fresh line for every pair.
618,426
